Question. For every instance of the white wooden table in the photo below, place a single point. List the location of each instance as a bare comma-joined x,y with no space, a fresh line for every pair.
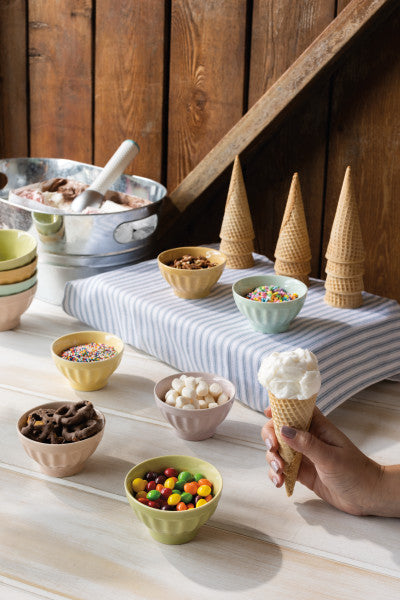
78,538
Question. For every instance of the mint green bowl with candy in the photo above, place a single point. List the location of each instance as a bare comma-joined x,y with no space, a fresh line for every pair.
269,317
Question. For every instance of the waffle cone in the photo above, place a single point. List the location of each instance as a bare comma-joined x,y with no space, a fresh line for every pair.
294,413
237,247
343,300
344,269
299,267
293,243
239,261
345,242
344,285
236,223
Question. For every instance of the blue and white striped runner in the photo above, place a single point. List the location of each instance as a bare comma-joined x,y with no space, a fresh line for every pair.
355,348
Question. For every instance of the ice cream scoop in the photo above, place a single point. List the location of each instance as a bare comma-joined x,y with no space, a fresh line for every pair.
93,196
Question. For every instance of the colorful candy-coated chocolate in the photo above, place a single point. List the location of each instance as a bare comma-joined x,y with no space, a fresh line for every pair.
160,479
181,506
138,484
208,498
197,498
201,502
190,505
185,476
141,494
153,495
151,485
204,481
159,487
166,492
166,507
153,504
170,482
143,500
170,472
179,485
186,497
204,490
174,499
198,476
151,476
191,487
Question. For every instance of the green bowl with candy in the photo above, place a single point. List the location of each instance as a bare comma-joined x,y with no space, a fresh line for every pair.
174,526
270,317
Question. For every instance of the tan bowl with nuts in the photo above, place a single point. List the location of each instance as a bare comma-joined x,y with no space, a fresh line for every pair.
188,283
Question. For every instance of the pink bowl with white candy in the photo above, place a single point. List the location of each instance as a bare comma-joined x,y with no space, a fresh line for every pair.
198,413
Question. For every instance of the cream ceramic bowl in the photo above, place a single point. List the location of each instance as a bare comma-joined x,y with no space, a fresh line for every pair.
12,307
199,424
87,376
59,460
191,284
17,248
19,274
174,527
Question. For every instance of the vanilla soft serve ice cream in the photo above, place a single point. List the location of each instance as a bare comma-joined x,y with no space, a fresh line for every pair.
290,374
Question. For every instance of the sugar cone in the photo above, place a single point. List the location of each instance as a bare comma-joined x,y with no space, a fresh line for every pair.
239,247
237,224
295,413
343,300
293,243
344,285
239,261
345,242
343,270
297,270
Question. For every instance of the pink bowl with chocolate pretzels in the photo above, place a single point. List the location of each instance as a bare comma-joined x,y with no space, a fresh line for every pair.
61,458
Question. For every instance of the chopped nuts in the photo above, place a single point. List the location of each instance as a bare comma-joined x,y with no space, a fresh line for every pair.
191,262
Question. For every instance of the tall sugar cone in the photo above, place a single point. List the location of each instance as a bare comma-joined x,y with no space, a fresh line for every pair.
345,242
294,413
293,244
236,224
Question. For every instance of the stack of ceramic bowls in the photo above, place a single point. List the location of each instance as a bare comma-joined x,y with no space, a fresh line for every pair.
18,277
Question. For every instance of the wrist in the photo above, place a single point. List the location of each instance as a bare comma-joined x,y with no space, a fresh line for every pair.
385,498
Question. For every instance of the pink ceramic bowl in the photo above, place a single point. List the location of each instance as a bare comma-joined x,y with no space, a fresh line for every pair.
59,460
199,424
12,307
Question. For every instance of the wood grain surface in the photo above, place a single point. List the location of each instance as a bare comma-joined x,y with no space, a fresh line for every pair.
78,538
60,69
206,79
13,83
129,80
365,134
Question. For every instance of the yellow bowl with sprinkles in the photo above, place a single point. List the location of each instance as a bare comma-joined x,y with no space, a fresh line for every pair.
90,358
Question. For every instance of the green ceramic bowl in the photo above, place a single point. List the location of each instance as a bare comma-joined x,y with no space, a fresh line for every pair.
10,289
174,527
269,317
17,248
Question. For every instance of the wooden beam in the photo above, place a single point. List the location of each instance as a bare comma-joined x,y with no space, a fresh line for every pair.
266,113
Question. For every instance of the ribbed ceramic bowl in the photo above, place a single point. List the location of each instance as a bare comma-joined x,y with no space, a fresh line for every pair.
17,248
59,460
19,274
87,376
191,284
12,307
174,527
16,288
269,317
199,424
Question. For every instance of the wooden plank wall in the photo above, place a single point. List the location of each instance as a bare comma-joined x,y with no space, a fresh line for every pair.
78,76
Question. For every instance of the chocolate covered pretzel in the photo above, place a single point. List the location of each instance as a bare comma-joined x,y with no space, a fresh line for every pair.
66,424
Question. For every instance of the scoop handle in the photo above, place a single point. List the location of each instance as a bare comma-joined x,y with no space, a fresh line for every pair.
115,166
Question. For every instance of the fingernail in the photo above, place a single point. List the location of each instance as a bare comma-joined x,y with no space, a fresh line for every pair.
288,432
275,466
268,443
275,481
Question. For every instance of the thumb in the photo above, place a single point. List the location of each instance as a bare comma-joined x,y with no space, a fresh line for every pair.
306,443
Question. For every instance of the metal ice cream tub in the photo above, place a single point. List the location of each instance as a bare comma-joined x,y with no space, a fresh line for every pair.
74,245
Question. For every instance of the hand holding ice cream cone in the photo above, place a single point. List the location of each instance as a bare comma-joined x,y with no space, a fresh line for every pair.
293,381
